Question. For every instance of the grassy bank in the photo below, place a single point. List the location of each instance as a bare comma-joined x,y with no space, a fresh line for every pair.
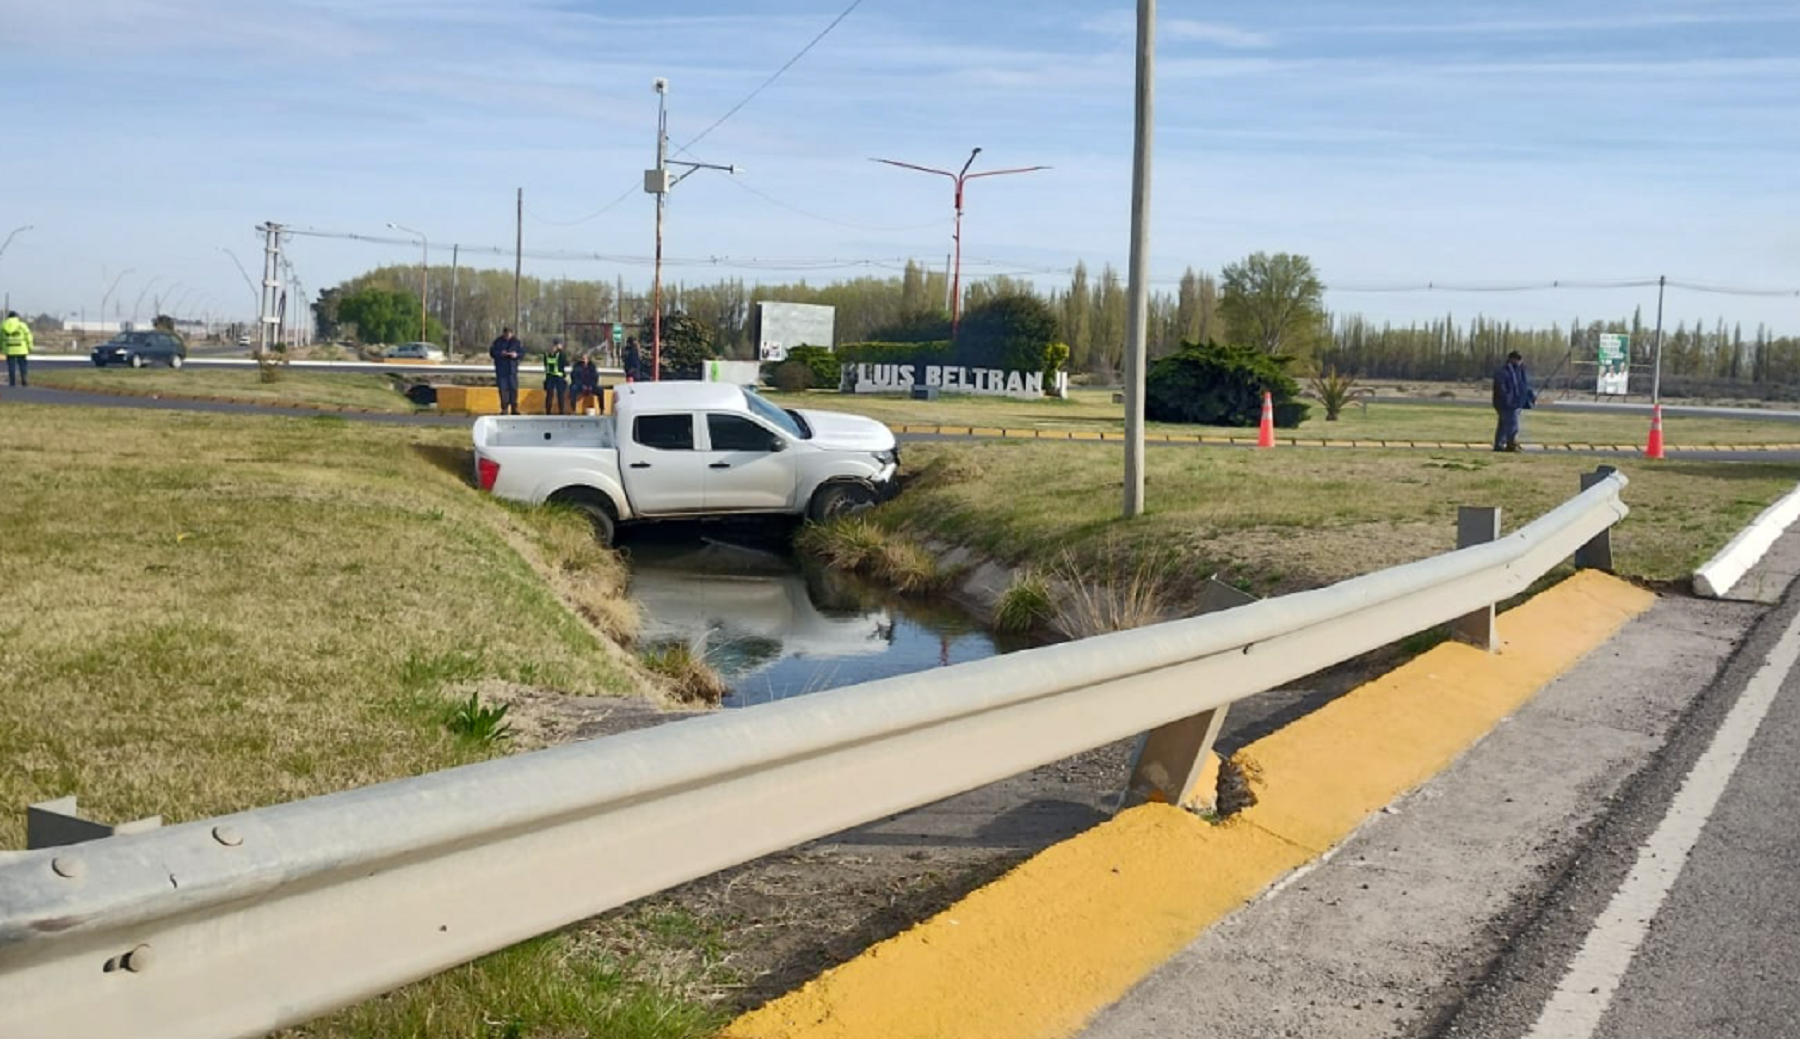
1276,521
296,386
1379,420
207,613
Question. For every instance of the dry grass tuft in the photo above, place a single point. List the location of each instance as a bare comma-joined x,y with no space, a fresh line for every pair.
692,681
1113,600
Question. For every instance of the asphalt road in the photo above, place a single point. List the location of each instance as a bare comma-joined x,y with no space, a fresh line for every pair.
1461,910
1681,917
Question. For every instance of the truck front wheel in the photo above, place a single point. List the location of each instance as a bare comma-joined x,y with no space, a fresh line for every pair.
837,500
605,527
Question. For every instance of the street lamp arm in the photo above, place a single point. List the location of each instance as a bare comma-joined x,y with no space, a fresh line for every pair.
910,166
996,173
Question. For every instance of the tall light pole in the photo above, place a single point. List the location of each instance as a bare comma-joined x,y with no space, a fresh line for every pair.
1138,283
15,231
254,294
109,291
658,182
424,271
959,178
140,297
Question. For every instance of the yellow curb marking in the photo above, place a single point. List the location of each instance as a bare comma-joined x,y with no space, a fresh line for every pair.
1037,953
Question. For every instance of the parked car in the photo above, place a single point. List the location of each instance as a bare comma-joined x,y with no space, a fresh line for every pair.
415,352
243,340
140,348
689,450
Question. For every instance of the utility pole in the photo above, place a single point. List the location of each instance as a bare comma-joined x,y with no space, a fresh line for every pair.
270,303
424,273
658,182
450,333
518,259
959,178
1138,288
1656,363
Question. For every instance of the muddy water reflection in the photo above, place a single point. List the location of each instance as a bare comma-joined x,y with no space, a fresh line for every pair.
774,629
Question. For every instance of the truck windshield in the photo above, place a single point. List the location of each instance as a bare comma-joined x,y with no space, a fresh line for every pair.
782,420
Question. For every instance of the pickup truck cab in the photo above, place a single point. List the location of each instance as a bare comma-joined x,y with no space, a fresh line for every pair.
684,450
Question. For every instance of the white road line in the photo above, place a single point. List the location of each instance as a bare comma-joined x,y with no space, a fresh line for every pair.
1581,1000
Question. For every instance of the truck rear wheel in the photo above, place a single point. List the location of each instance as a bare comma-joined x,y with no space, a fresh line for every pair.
834,501
605,527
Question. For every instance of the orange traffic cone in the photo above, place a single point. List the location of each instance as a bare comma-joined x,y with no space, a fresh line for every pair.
1655,447
1265,435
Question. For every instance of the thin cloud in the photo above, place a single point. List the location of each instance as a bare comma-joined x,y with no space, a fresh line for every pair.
1181,30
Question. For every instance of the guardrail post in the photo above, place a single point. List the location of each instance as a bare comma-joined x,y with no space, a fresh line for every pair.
1476,525
1173,760
1597,553
55,824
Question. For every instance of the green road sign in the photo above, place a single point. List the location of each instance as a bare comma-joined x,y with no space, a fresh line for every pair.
618,334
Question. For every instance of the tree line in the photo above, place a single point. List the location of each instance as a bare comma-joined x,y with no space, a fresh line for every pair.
1273,302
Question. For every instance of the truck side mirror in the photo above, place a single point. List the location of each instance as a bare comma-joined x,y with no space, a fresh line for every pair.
776,444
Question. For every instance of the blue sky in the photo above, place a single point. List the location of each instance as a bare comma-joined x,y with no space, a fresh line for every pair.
1395,143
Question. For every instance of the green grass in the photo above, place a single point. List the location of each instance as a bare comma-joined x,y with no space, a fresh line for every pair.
1377,420
206,613
296,386
1275,521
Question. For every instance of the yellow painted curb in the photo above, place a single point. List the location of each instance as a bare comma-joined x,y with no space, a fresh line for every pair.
1037,953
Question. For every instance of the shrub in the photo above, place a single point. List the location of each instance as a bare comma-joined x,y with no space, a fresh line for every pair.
820,361
793,376
1112,601
1014,333
1215,385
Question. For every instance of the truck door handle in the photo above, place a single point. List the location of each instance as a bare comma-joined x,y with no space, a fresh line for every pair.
640,465
720,465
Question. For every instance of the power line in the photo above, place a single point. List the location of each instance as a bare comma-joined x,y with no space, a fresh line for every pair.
716,123
765,196
791,62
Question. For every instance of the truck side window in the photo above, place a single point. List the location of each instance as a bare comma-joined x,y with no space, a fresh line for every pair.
736,433
664,432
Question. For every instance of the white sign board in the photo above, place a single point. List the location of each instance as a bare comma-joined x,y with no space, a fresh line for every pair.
1614,360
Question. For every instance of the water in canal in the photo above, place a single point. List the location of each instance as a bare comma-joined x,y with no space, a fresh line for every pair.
774,628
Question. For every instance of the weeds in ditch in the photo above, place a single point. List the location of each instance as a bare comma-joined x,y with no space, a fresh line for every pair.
1025,605
477,722
857,545
1117,600
692,679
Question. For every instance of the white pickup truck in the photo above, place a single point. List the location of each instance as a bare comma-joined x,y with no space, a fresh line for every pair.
675,450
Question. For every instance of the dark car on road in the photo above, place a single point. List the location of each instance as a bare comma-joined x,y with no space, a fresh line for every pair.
140,348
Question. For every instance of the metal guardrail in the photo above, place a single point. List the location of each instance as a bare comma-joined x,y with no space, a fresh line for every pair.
238,925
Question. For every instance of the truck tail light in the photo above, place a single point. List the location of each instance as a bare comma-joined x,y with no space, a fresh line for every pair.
486,472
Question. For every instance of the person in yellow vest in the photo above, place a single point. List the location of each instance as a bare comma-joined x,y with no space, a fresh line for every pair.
556,380
15,335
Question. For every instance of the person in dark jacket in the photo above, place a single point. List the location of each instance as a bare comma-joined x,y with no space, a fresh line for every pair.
633,361
1512,395
584,384
556,379
506,352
